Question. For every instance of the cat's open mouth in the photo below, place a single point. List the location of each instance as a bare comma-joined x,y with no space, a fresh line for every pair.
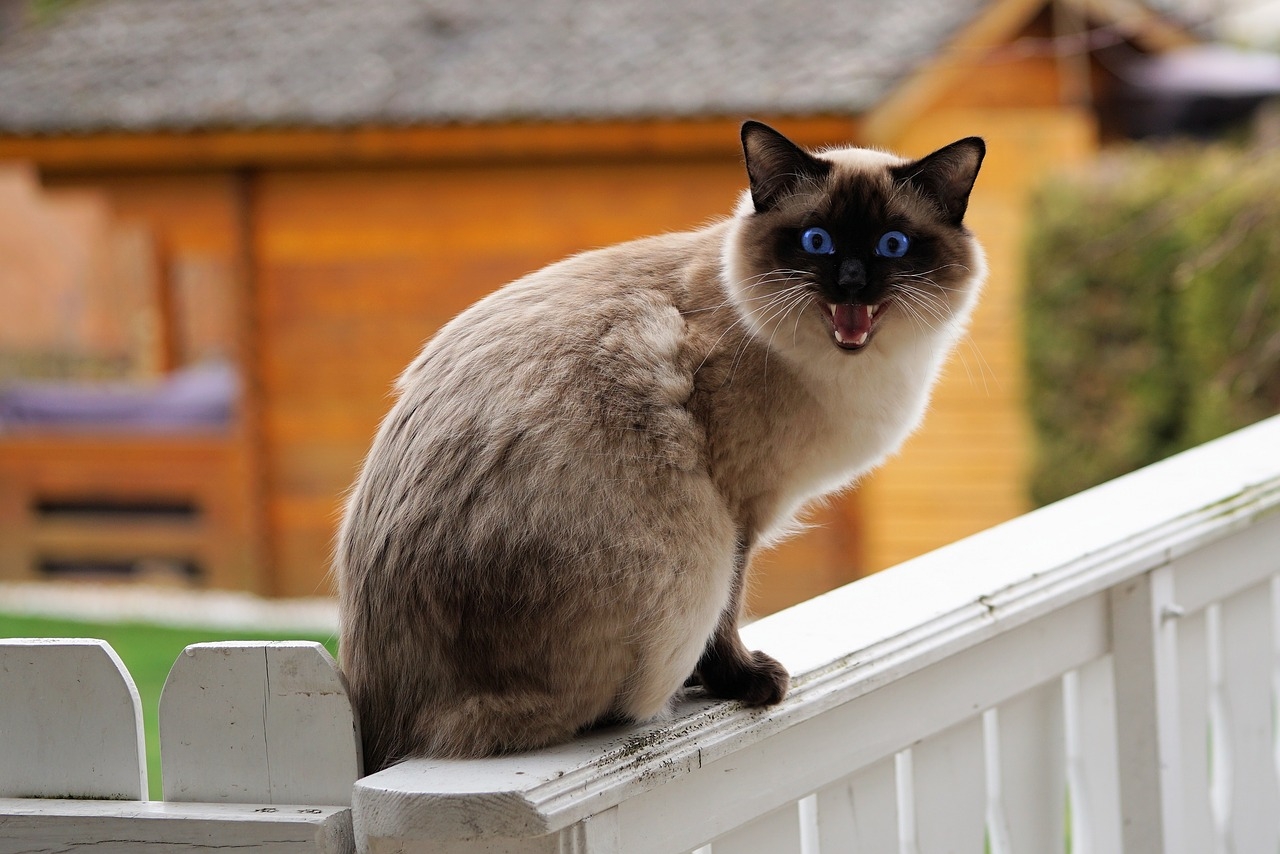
852,323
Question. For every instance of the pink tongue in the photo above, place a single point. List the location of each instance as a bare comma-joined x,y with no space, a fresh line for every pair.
851,320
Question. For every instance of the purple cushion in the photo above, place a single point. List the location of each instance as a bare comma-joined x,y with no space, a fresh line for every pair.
199,398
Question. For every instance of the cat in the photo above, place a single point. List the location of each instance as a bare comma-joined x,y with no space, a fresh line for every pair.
553,526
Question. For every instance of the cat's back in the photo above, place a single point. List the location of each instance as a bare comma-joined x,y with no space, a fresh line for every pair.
570,378
614,311
587,363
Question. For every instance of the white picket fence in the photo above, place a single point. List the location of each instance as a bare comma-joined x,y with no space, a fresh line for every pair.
258,747
1098,676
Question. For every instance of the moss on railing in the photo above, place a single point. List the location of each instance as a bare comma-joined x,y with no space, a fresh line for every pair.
1153,309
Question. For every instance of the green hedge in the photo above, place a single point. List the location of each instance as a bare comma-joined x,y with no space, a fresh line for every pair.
1153,309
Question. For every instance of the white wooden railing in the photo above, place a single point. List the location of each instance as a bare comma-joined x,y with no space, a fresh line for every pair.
1097,676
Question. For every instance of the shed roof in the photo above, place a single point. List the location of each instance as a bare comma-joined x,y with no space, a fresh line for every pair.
146,65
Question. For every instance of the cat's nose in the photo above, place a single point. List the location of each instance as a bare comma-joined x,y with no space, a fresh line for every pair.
853,275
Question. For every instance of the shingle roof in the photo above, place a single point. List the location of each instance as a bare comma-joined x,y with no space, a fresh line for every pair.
183,64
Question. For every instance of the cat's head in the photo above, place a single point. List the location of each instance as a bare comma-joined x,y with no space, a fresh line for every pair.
842,248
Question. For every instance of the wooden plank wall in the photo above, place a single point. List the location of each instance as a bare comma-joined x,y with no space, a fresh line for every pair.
323,283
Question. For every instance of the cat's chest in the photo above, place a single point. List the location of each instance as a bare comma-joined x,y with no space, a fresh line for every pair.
849,418
862,413
870,408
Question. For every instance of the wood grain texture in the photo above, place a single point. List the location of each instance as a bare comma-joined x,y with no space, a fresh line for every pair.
967,468
358,267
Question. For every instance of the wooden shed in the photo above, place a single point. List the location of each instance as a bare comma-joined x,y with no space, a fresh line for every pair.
339,179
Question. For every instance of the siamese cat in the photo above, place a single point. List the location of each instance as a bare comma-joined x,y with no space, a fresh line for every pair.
555,521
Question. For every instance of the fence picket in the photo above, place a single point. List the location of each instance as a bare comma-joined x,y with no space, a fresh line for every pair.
997,825
1193,714
808,807
904,782
70,722
257,722
950,795
1033,769
1089,697
859,814
33,826
1219,742
1275,667
1247,627
1144,618
777,832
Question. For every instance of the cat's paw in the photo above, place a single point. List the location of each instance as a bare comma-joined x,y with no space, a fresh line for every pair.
758,680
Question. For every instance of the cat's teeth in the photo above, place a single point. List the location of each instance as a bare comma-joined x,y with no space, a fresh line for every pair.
857,341
872,309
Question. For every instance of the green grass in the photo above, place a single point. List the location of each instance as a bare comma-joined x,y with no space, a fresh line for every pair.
148,651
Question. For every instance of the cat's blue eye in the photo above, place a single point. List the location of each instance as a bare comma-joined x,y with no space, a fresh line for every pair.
816,241
893,244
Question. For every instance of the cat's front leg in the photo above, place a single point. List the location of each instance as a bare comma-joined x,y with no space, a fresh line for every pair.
727,669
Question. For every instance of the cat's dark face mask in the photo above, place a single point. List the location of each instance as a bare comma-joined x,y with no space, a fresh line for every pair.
856,244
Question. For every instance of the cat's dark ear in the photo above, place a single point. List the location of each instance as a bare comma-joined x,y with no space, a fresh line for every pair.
776,166
947,175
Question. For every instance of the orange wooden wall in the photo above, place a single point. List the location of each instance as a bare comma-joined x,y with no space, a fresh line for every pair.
356,268
336,277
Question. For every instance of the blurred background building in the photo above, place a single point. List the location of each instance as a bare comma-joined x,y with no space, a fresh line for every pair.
302,191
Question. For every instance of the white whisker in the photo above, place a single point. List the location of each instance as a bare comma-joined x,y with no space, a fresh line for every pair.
778,306
757,315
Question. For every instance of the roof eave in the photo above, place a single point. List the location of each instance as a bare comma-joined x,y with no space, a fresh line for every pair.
403,145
